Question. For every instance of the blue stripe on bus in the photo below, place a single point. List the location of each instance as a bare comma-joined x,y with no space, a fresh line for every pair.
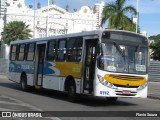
28,67
20,66
49,68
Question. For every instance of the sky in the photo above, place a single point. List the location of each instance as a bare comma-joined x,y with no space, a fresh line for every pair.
149,11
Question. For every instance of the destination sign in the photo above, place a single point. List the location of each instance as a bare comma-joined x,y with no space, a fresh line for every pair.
125,37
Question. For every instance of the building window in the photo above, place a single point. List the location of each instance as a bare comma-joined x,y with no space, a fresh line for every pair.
30,51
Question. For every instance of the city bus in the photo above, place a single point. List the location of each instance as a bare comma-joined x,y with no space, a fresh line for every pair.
103,63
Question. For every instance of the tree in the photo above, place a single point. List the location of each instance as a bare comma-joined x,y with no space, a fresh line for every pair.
15,30
155,37
155,47
116,14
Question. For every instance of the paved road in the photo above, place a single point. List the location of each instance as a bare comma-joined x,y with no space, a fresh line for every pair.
9,101
12,98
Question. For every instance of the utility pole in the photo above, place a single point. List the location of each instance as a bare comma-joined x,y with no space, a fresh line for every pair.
137,16
34,19
47,19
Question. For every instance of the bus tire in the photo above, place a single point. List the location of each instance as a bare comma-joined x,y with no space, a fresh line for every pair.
111,100
24,85
72,92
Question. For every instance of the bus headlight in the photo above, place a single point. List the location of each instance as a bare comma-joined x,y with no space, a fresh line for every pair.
142,86
100,78
105,82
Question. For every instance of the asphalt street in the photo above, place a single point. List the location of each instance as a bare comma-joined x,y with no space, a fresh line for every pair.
13,99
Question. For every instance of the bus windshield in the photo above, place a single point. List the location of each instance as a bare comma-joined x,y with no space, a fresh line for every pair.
122,58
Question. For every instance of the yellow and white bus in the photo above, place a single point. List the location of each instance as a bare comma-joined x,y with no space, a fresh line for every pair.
106,63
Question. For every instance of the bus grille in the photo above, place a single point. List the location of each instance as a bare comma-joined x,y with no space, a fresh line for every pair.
125,86
122,94
125,77
126,81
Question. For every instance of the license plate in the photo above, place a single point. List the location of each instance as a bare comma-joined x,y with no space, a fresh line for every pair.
126,92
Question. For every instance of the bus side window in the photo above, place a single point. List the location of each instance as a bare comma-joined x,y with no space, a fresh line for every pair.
30,51
74,49
21,52
70,49
51,51
61,52
13,53
79,48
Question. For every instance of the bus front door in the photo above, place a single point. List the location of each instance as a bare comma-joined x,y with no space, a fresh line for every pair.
39,63
89,65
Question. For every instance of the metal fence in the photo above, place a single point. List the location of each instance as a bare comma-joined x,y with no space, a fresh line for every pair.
2,50
3,66
154,71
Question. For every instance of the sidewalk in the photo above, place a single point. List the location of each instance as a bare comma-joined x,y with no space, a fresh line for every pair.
153,88
3,76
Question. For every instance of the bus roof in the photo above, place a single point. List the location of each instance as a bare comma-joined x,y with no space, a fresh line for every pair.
83,33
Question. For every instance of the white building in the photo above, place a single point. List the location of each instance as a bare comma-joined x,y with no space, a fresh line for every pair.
2,7
2,12
98,12
60,20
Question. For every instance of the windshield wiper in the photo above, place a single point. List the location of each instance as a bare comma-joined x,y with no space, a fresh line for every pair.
119,49
138,47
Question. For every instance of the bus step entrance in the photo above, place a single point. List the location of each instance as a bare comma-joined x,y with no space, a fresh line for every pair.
87,92
38,87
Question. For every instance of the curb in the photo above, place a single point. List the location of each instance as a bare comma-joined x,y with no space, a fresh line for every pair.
3,76
153,97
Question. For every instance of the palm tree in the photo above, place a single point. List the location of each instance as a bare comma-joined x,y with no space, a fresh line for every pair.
15,30
116,14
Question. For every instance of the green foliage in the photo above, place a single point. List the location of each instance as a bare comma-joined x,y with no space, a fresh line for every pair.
155,47
155,37
115,13
15,30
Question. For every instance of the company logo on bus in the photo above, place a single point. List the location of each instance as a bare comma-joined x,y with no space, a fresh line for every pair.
127,86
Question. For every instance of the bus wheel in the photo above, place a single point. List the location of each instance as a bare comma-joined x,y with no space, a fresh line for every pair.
72,92
24,85
111,100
